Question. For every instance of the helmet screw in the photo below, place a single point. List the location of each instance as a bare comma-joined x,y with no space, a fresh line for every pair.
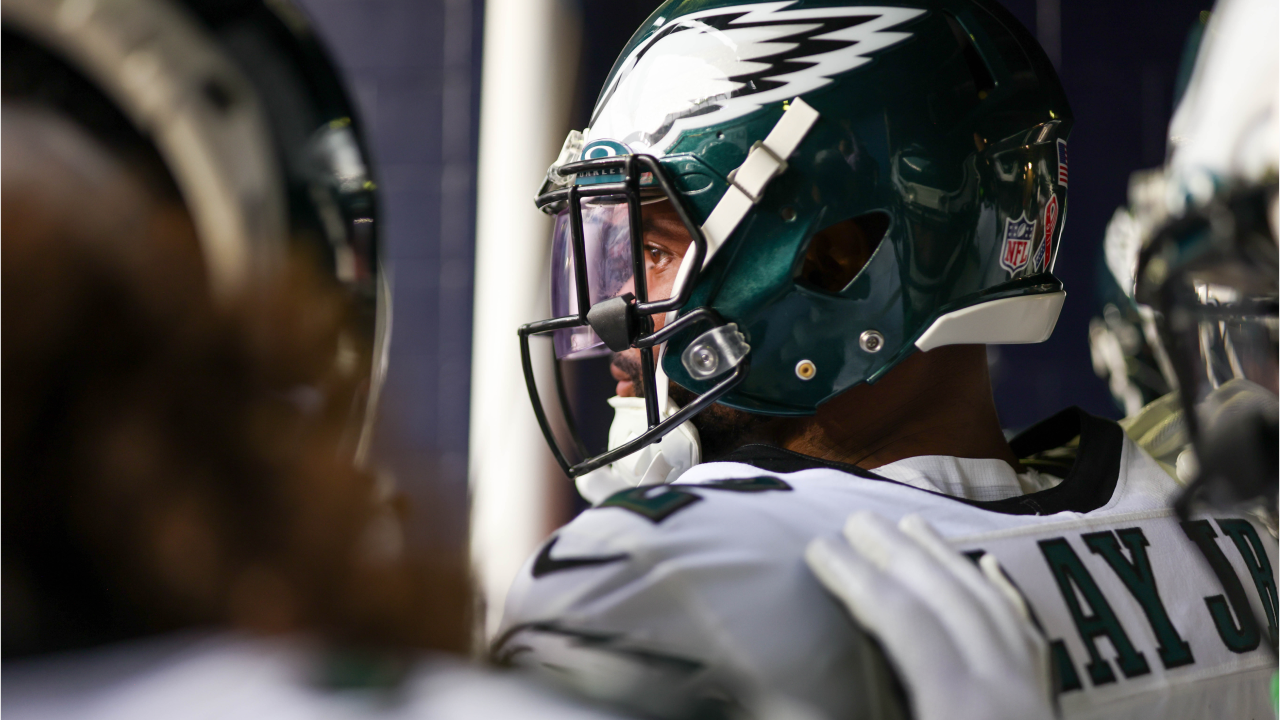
705,360
805,370
871,341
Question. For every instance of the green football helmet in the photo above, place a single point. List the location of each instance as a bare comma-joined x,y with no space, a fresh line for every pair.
938,130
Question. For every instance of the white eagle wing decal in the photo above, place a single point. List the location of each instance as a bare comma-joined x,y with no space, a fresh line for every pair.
716,65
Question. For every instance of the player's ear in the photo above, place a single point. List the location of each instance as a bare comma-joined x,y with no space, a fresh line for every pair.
837,252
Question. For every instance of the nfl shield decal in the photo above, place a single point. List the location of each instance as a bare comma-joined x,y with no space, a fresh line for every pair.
1017,243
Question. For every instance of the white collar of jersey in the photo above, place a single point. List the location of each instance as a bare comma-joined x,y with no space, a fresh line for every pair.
969,478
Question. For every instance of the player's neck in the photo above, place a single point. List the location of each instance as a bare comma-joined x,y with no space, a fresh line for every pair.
934,403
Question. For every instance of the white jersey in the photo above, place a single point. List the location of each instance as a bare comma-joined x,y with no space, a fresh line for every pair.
704,582
211,677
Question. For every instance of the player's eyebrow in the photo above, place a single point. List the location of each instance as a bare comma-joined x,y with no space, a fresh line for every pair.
663,227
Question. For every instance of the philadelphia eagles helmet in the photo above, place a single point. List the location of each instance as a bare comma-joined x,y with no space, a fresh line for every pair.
937,130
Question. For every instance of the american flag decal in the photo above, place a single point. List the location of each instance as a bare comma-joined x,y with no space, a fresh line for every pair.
1062,163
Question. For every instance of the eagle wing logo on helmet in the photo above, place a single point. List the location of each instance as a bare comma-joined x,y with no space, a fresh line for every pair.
713,66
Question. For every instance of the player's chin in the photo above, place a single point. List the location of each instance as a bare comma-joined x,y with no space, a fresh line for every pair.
626,371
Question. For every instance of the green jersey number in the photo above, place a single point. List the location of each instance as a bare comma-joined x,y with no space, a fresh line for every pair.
659,502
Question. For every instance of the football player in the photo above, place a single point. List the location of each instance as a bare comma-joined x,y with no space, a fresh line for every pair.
189,225
810,217
1195,256
1206,272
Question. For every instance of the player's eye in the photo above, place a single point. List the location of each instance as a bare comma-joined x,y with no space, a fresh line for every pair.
657,256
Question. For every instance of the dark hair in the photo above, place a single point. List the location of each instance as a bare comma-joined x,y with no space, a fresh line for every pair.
170,461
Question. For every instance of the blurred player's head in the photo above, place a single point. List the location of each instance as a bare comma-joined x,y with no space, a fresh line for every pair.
1208,260
169,460
188,337
236,105
849,185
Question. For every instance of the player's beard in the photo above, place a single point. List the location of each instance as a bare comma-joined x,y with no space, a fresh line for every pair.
721,429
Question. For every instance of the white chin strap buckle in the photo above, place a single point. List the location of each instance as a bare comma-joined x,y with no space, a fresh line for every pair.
658,463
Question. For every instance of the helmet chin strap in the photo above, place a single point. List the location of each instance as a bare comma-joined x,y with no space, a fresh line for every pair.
661,382
656,464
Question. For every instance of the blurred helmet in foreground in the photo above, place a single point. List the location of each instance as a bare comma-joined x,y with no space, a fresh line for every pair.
241,104
1206,226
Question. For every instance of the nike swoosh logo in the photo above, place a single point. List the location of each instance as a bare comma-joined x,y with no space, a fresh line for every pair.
544,564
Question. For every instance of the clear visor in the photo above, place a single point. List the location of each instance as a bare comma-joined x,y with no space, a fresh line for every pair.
609,264
1237,341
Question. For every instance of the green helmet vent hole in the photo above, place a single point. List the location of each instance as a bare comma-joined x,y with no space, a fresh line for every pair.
835,254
